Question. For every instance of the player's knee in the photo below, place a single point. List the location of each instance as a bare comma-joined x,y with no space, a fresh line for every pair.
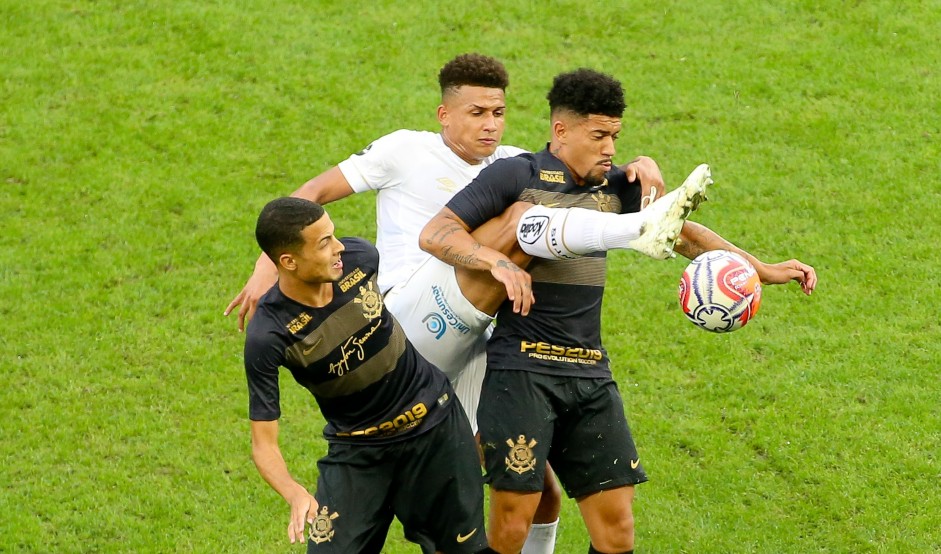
617,534
509,534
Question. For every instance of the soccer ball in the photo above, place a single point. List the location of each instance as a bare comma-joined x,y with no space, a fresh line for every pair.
720,291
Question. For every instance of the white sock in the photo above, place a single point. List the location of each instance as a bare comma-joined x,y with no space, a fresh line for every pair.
566,233
541,538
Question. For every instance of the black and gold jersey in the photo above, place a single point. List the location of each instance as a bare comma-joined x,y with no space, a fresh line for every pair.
562,333
352,355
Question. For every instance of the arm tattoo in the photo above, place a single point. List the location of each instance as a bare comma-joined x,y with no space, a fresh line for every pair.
444,232
467,260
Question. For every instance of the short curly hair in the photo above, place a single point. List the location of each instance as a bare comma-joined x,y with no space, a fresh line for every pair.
475,70
585,92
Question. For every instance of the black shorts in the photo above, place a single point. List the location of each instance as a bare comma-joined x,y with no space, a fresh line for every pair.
578,425
432,483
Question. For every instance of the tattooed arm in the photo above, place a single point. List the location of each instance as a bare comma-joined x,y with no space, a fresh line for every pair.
448,238
696,239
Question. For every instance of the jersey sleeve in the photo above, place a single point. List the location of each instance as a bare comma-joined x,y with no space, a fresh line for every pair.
629,193
370,168
493,191
361,252
263,357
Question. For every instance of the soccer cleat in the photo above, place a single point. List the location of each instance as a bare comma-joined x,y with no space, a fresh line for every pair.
666,216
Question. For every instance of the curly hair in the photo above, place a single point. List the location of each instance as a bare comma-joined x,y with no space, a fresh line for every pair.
475,70
586,91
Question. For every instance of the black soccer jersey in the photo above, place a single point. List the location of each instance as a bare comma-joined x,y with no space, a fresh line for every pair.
352,355
562,333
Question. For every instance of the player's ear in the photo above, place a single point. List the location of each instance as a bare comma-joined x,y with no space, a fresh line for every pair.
443,115
287,261
559,130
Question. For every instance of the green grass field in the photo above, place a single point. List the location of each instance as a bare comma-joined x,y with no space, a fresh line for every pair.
138,140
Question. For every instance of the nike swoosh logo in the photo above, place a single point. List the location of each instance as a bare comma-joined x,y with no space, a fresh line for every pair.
310,349
635,463
463,538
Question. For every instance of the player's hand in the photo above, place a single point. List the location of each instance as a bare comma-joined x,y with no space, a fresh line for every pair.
303,511
258,284
518,283
785,272
651,179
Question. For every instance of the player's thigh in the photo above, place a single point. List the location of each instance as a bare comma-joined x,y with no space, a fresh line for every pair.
353,491
593,448
468,384
436,317
439,496
515,419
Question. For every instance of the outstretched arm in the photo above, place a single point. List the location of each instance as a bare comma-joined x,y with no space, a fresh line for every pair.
267,457
327,187
448,238
696,239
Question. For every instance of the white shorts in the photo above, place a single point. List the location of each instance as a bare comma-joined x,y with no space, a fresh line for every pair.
445,328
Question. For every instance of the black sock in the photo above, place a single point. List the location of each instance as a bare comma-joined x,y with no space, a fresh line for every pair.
591,550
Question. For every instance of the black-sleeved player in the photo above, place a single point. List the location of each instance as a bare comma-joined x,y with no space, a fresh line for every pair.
399,443
548,394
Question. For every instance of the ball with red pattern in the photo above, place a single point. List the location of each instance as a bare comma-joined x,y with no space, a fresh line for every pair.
720,291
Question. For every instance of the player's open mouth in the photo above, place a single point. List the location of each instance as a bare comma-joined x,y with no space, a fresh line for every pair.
338,265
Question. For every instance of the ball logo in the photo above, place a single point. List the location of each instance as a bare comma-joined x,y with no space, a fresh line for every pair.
720,291
435,325
532,227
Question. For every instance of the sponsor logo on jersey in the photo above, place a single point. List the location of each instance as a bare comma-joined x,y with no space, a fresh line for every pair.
556,353
435,324
354,277
409,419
321,529
521,458
299,322
447,313
551,176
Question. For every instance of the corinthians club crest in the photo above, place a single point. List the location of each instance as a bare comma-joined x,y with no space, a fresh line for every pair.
521,458
371,301
603,201
321,529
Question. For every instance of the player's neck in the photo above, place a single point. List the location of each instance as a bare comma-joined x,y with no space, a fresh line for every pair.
458,150
558,152
316,295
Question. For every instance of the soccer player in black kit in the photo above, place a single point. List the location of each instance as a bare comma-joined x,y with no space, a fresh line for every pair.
399,443
548,394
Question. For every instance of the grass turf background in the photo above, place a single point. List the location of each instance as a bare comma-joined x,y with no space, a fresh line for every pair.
139,140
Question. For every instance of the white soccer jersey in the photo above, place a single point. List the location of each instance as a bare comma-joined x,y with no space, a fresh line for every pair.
415,174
